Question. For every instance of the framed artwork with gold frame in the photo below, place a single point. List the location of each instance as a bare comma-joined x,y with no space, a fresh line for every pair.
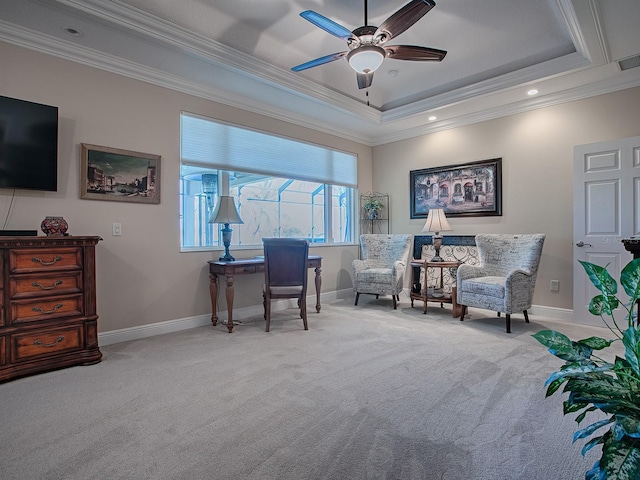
119,175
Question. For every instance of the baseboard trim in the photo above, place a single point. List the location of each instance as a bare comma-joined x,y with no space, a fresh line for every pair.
239,314
564,314
152,329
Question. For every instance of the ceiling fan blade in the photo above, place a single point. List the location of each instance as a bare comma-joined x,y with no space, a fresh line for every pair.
327,25
364,80
319,61
412,52
403,19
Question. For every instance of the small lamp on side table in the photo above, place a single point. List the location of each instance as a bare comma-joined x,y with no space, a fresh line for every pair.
226,213
437,222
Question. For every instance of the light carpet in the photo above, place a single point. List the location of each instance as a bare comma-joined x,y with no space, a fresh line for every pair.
366,393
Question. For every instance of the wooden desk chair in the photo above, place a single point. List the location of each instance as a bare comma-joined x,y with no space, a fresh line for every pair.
285,274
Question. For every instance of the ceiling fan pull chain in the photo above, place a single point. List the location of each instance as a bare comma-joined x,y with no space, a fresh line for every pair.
365,13
367,94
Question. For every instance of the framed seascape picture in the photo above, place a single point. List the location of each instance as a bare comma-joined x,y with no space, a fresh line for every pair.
119,175
467,190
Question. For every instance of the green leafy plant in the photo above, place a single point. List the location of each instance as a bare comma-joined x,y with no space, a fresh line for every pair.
593,383
373,206
373,203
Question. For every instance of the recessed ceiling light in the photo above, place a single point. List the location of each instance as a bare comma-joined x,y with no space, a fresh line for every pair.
532,92
432,118
392,73
72,31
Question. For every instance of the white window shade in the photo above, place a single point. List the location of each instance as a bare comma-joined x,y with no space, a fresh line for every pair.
213,144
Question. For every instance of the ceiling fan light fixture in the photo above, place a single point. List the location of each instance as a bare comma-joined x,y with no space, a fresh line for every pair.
366,59
367,44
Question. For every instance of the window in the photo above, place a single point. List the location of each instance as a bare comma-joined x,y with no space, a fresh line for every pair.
282,187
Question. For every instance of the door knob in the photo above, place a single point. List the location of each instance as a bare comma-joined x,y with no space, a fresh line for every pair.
582,244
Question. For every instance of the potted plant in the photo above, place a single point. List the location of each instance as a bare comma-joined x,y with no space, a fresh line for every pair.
373,205
610,385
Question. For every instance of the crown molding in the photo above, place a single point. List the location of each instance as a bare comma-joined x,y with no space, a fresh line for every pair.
50,45
220,55
602,39
292,99
628,79
570,18
536,73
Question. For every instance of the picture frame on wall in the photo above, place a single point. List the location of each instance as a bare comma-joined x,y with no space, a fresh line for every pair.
471,189
119,175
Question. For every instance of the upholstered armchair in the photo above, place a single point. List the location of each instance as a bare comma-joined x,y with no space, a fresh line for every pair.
381,270
505,277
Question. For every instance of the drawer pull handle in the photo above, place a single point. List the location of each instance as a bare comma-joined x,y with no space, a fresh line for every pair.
55,342
247,269
38,260
50,287
55,307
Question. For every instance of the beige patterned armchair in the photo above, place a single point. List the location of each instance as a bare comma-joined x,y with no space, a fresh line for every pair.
505,277
381,270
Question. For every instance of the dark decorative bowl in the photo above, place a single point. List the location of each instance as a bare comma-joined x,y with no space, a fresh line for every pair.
54,226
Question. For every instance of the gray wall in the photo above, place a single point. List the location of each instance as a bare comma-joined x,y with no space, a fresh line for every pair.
142,276
537,160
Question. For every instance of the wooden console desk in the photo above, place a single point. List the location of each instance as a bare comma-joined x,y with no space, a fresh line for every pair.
247,266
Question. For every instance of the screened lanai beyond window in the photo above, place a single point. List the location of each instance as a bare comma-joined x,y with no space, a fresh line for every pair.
283,187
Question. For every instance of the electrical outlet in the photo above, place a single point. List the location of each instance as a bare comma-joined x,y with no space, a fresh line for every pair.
116,230
555,285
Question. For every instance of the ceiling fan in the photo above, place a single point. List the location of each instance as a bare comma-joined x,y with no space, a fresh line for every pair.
366,44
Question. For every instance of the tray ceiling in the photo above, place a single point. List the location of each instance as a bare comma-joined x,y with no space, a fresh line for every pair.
240,53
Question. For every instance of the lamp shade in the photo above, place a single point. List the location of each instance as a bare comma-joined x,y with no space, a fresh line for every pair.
436,221
225,211
366,59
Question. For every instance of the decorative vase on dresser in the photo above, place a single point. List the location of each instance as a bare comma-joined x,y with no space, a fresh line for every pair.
48,316
54,226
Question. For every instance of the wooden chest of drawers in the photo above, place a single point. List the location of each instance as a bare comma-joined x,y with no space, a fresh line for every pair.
48,316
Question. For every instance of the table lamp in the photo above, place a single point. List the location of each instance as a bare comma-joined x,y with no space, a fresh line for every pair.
437,222
226,212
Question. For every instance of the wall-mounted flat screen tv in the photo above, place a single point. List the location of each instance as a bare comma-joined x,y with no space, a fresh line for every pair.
28,145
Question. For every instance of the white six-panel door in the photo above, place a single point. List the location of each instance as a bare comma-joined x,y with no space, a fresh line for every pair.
606,209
